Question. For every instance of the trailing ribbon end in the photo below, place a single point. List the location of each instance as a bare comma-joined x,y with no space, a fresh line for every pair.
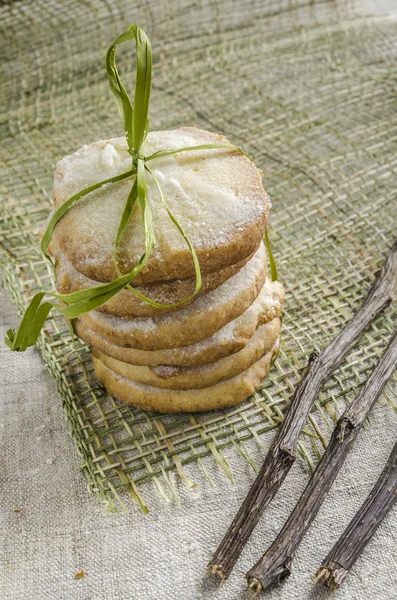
9,338
272,262
30,326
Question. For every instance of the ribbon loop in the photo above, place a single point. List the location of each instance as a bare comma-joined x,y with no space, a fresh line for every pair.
135,118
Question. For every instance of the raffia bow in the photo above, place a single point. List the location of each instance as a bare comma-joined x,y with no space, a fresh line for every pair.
136,126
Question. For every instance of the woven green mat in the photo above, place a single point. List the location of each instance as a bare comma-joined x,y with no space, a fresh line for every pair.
314,105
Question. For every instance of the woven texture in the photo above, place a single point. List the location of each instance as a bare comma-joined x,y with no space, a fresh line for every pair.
315,108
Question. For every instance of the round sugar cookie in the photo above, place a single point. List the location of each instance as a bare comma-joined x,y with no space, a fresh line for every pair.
126,304
216,195
227,393
183,378
190,324
228,340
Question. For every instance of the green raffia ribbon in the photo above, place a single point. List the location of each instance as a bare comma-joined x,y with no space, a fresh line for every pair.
136,126
272,262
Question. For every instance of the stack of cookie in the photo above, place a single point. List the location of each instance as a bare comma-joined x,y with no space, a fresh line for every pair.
211,352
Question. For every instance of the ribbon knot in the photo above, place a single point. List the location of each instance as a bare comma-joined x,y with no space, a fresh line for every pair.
137,155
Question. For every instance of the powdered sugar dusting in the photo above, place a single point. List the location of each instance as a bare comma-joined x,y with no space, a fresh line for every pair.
214,194
109,156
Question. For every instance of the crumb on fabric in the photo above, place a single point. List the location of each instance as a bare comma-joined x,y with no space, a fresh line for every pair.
80,574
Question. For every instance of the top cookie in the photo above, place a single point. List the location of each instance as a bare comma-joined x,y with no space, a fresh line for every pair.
216,195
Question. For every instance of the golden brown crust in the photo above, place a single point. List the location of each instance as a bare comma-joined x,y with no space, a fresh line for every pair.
240,239
188,325
226,393
125,303
184,378
228,340
180,266
196,354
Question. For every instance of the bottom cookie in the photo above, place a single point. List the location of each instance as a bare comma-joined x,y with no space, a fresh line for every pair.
226,393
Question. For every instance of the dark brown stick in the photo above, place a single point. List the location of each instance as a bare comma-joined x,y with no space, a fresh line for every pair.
282,451
275,564
335,568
